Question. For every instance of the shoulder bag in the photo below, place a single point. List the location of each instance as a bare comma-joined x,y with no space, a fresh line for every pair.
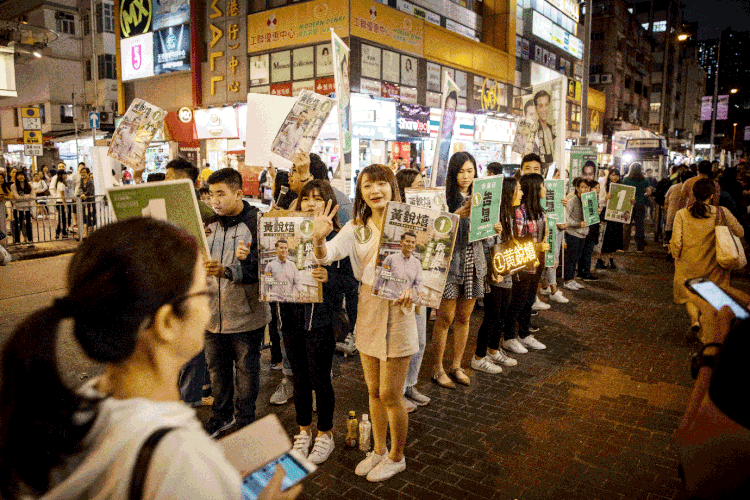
729,251
142,462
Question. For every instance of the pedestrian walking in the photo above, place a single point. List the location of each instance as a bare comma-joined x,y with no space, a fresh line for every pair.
642,190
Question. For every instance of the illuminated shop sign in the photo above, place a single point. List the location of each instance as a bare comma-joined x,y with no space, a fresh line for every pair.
543,28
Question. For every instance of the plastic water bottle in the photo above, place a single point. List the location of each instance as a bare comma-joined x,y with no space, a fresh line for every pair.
365,430
351,430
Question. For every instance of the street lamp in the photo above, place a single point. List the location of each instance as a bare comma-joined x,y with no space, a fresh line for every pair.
683,37
734,91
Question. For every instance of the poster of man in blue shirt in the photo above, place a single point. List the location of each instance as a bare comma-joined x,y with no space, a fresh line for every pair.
401,270
282,280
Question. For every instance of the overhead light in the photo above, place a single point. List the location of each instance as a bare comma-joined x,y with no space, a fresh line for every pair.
683,37
37,53
734,91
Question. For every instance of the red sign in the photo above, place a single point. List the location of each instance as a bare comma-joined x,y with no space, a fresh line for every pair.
389,90
283,89
325,86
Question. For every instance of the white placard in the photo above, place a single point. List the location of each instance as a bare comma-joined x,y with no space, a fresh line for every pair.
370,62
137,56
391,69
216,123
409,71
259,70
304,63
371,87
433,78
324,60
265,115
281,66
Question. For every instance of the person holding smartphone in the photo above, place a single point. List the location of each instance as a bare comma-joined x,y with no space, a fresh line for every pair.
147,282
693,246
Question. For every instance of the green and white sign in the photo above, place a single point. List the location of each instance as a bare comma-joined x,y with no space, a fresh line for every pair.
620,203
549,255
590,204
172,201
485,207
578,156
553,201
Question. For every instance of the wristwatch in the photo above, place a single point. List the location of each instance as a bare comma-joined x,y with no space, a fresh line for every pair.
228,273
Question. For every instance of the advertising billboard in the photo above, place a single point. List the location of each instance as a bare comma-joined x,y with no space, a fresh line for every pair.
137,56
172,49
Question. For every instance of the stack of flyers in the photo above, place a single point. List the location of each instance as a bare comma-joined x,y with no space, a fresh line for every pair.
302,125
427,197
286,258
134,134
415,252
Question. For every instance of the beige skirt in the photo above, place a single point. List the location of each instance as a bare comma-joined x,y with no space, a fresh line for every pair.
383,330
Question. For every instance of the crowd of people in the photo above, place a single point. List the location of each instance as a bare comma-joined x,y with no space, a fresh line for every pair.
173,323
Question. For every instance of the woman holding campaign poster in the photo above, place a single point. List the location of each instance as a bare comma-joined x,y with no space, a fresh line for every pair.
386,331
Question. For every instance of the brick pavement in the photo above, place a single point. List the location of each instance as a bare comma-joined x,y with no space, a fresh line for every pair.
591,417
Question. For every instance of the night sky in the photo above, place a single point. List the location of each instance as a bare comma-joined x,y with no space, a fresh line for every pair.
714,16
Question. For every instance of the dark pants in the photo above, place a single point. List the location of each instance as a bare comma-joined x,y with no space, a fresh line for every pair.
21,224
273,334
638,219
573,255
63,219
496,304
193,377
584,263
311,355
227,354
350,291
521,300
89,214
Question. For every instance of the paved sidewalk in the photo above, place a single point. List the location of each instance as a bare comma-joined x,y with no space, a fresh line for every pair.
592,417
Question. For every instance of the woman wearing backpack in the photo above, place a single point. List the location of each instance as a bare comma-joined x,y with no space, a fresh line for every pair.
147,283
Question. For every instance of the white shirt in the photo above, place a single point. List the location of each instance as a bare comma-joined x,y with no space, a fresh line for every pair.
355,242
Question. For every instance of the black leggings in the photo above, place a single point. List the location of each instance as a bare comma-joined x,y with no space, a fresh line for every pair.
21,224
496,304
311,355
522,298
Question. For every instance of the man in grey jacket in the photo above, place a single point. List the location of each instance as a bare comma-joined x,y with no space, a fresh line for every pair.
235,332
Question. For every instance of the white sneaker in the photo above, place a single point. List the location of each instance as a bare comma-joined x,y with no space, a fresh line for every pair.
578,284
571,285
322,449
411,406
302,443
539,305
369,463
485,365
532,343
545,291
501,357
347,347
513,345
386,470
558,297
283,393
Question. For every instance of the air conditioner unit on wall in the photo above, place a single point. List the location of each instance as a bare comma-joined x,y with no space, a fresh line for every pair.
594,79
606,78
105,117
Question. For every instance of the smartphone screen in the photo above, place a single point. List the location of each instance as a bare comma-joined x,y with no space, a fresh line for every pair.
718,298
254,483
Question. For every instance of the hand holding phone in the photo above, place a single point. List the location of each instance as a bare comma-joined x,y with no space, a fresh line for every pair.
718,298
710,299
278,479
274,492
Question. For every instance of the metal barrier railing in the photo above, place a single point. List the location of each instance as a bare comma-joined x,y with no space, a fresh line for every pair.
47,219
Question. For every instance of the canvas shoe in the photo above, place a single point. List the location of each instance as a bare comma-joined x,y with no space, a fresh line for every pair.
386,469
302,443
513,345
347,347
216,427
283,393
417,397
539,305
579,284
485,365
532,343
499,357
411,406
545,291
558,297
369,463
322,449
571,285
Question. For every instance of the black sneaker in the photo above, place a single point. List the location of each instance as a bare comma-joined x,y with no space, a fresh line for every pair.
216,427
534,313
600,264
589,277
533,328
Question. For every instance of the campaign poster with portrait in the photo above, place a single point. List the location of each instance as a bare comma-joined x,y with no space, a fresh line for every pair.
439,170
620,204
286,258
415,252
541,127
302,125
485,207
135,132
590,204
579,156
341,83
432,198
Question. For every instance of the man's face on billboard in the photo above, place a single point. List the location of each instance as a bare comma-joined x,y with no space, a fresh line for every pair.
542,108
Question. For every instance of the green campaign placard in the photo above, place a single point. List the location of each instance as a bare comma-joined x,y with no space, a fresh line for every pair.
485,207
590,204
173,201
620,203
578,156
549,255
553,202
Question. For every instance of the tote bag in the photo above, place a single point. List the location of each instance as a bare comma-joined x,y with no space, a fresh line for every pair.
729,252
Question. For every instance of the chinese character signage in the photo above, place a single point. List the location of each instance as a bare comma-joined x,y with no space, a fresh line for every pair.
722,107
302,125
485,207
377,22
589,202
579,156
134,134
706,107
414,254
286,258
226,74
432,198
553,202
513,255
550,254
620,204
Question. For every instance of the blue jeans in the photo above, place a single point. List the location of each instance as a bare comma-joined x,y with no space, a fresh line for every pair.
415,363
227,354
193,377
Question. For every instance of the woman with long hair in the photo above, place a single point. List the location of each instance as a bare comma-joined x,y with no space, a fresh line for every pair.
386,330
693,245
530,221
411,178
23,202
488,355
636,179
612,240
137,298
466,274
59,191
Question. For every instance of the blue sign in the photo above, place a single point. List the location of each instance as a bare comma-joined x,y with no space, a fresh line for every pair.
93,120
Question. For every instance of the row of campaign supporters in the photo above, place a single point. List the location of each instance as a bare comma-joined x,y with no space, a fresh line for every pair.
158,302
